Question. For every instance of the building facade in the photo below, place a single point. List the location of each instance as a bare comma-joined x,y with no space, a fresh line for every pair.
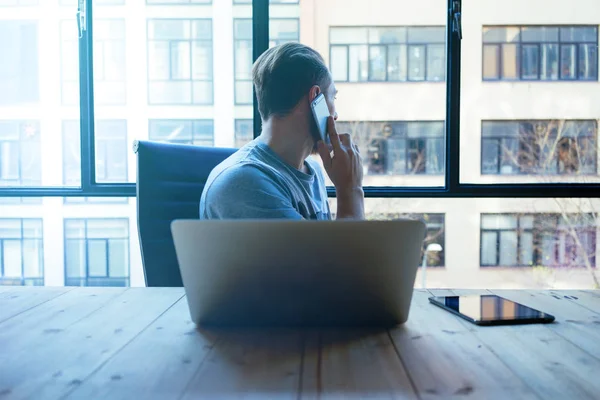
179,71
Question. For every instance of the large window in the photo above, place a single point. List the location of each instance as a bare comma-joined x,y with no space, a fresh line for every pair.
109,62
539,147
19,71
243,132
281,30
546,53
96,252
562,240
398,54
21,252
180,61
399,148
182,131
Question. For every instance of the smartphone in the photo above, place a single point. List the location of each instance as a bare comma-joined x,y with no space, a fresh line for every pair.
491,310
321,113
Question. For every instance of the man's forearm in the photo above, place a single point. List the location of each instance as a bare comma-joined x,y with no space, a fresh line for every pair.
350,204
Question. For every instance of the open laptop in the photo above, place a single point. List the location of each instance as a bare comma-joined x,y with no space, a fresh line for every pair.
298,273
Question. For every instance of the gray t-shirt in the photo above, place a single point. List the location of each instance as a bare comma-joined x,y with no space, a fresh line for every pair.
255,183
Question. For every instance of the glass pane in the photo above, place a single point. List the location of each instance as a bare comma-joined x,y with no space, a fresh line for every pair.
489,248
539,34
387,35
588,61
549,62
358,63
579,34
118,258
342,35
180,60
508,249
97,258
526,248
397,63
416,63
568,60
491,55
510,65
500,34
377,63
75,258
12,257
436,63
426,35
530,62
492,221
339,63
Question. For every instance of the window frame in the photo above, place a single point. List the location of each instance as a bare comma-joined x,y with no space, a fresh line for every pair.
453,187
559,43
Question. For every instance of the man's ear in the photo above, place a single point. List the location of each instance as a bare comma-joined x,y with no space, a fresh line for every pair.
314,92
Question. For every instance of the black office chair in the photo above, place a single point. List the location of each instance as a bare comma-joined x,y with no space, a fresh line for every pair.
170,180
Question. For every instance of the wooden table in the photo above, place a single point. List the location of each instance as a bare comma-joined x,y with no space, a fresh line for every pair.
139,343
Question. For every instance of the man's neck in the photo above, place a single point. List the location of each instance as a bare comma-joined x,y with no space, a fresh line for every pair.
288,140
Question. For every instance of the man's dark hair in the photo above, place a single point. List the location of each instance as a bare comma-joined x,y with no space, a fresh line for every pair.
284,74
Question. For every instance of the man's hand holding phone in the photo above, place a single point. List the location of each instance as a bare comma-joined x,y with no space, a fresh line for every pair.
345,171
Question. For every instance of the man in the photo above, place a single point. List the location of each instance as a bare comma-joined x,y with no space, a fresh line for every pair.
272,177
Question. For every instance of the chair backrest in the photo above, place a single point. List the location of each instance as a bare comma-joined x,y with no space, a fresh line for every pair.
170,180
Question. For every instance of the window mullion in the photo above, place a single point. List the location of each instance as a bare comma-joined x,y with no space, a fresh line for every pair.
260,43
86,96
453,50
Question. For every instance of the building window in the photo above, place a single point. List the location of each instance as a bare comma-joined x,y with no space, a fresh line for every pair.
96,252
435,233
19,72
109,62
244,132
198,132
539,147
180,61
21,252
393,54
538,240
280,31
111,156
546,53
399,148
